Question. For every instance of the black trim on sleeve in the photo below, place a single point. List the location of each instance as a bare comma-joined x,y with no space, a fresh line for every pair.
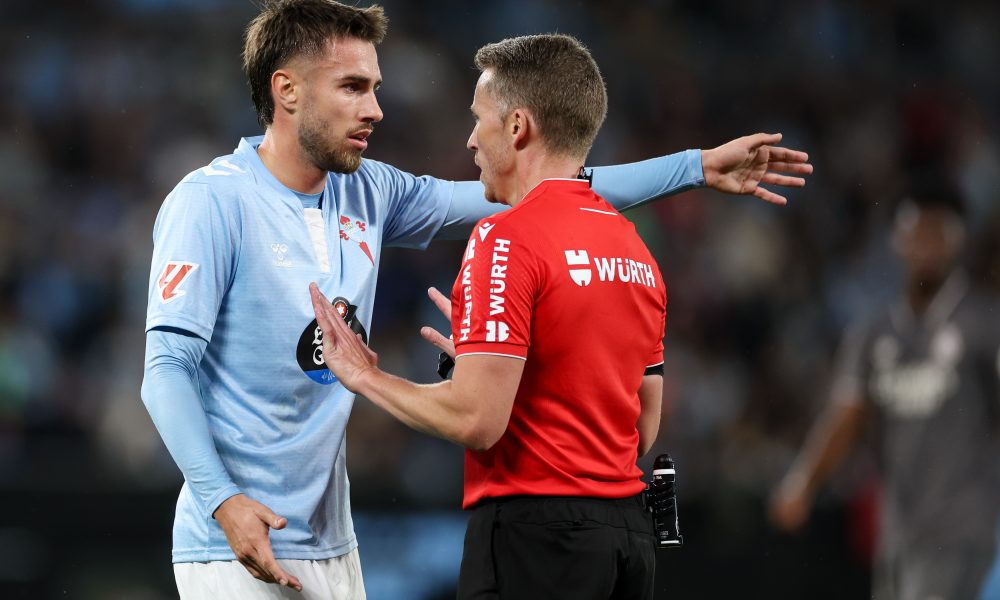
654,370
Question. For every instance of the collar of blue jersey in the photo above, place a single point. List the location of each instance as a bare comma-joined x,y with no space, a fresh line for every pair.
247,149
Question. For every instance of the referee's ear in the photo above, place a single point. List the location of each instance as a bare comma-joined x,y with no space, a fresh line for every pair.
522,128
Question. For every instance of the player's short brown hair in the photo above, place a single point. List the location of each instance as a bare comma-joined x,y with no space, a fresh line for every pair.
557,80
286,29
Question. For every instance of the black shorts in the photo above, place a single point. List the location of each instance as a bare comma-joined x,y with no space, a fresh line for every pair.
556,547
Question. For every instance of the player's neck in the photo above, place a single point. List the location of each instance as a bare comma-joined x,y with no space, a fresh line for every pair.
285,159
532,170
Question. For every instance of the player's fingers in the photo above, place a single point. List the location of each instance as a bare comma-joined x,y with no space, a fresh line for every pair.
434,336
442,302
763,139
786,154
769,196
269,518
267,562
248,565
251,561
778,179
789,167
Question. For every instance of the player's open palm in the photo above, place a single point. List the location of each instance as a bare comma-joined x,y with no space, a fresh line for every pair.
347,357
246,523
742,165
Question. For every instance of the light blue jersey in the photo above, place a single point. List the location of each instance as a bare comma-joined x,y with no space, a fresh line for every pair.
234,253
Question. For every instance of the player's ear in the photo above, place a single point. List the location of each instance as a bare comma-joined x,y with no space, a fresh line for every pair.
520,127
284,90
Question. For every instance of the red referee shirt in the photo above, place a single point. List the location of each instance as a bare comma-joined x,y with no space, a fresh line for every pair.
563,281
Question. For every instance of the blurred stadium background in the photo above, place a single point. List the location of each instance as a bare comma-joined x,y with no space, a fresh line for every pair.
109,103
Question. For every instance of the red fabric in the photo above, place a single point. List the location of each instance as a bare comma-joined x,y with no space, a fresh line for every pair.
565,282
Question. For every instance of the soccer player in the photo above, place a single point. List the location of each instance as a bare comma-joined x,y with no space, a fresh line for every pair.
234,376
557,319
924,375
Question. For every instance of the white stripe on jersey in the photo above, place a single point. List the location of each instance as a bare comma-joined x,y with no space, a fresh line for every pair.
317,233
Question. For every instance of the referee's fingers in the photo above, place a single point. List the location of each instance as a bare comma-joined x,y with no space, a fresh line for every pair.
442,302
320,304
435,337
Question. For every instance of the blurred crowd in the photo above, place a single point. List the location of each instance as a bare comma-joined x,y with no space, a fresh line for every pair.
110,103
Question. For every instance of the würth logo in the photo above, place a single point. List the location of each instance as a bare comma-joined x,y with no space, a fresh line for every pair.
609,269
579,258
174,274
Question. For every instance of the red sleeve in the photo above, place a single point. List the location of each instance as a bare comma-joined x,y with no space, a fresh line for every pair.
494,294
656,357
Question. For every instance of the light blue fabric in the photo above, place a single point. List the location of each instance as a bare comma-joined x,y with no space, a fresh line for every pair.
624,186
170,391
232,261
991,586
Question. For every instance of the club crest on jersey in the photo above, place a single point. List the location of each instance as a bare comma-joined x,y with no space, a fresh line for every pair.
173,275
355,230
309,350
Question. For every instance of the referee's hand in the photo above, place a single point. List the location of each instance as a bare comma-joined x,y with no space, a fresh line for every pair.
433,335
246,523
347,357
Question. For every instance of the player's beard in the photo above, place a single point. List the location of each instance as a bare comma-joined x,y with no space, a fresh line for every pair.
317,142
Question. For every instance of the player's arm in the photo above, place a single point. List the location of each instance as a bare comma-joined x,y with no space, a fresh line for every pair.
651,402
736,167
196,244
472,409
829,441
170,393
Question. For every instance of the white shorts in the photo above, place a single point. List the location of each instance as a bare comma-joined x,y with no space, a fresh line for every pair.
331,579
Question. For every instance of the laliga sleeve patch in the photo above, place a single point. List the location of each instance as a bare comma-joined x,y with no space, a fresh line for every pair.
309,350
173,275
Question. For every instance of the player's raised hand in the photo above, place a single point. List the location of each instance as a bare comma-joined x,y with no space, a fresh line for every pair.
345,354
433,335
246,523
742,165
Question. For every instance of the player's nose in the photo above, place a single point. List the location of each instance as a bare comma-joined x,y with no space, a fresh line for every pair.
372,112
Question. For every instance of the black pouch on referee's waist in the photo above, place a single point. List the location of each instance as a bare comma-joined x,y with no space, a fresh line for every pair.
661,501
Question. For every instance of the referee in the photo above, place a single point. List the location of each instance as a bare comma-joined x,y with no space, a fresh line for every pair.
557,319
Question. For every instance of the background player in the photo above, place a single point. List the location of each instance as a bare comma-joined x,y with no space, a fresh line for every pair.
554,413
924,375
